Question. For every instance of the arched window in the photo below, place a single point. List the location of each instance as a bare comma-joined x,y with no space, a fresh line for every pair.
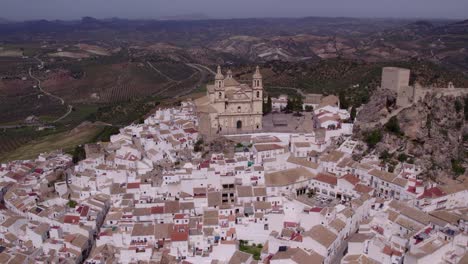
220,95
239,124
238,109
258,94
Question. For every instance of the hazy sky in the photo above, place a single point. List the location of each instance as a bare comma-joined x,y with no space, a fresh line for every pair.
73,9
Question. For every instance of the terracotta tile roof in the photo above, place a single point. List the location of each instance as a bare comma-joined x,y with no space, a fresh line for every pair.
71,219
133,185
326,178
351,179
260,191
337,224
171,207
333,156
214,199
433,192
163,231
288,177
239,257
383,175
267,147
143,230
179,234
302,162
322,235
244,191
361,188
400,182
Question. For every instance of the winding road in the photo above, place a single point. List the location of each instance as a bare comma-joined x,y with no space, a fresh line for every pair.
202,66
299,91
69,107
198,67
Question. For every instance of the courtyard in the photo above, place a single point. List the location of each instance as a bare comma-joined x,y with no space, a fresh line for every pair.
282,122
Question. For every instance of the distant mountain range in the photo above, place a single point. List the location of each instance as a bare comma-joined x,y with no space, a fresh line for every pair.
264,39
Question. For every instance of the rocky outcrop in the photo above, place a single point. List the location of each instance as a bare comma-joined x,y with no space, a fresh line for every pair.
380,105
431,130
434,130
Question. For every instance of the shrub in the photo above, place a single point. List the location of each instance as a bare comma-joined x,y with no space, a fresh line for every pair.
72,203
457,167
385,156
353,114
466,108
393,126
197,147
373,137
309,108
79,154
402,157
458,106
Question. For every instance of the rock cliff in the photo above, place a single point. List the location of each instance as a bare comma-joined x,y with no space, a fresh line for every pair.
432,130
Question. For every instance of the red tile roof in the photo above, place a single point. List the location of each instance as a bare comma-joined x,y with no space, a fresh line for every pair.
290,224
326,178
190,130
181,234
361,188
84,211
351,179
133,185
157,210
315,210
433,192
71,219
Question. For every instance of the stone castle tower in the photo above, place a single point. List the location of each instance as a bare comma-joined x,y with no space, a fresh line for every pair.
230,107
398,80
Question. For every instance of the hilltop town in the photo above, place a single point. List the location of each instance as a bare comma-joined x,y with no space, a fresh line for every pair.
213,180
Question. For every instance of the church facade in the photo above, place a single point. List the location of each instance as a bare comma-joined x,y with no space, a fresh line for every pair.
230,107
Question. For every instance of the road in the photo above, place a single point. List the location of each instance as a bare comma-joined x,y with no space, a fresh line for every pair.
299,91
198,67
202,66
202,78
161,73
69,107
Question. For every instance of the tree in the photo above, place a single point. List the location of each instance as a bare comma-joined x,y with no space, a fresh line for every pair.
457,168
72,203
294,104
343,100
373,137
385,156
198,146
402,157
393,126
352,114
458,106
267,107
298,104
309,108
79,154
466,108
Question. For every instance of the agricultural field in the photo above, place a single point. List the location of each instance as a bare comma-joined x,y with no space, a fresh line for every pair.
66,141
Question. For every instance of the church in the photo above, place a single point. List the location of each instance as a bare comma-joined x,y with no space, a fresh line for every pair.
230,107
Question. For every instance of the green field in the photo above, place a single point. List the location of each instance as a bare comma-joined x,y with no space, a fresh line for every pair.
63,140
